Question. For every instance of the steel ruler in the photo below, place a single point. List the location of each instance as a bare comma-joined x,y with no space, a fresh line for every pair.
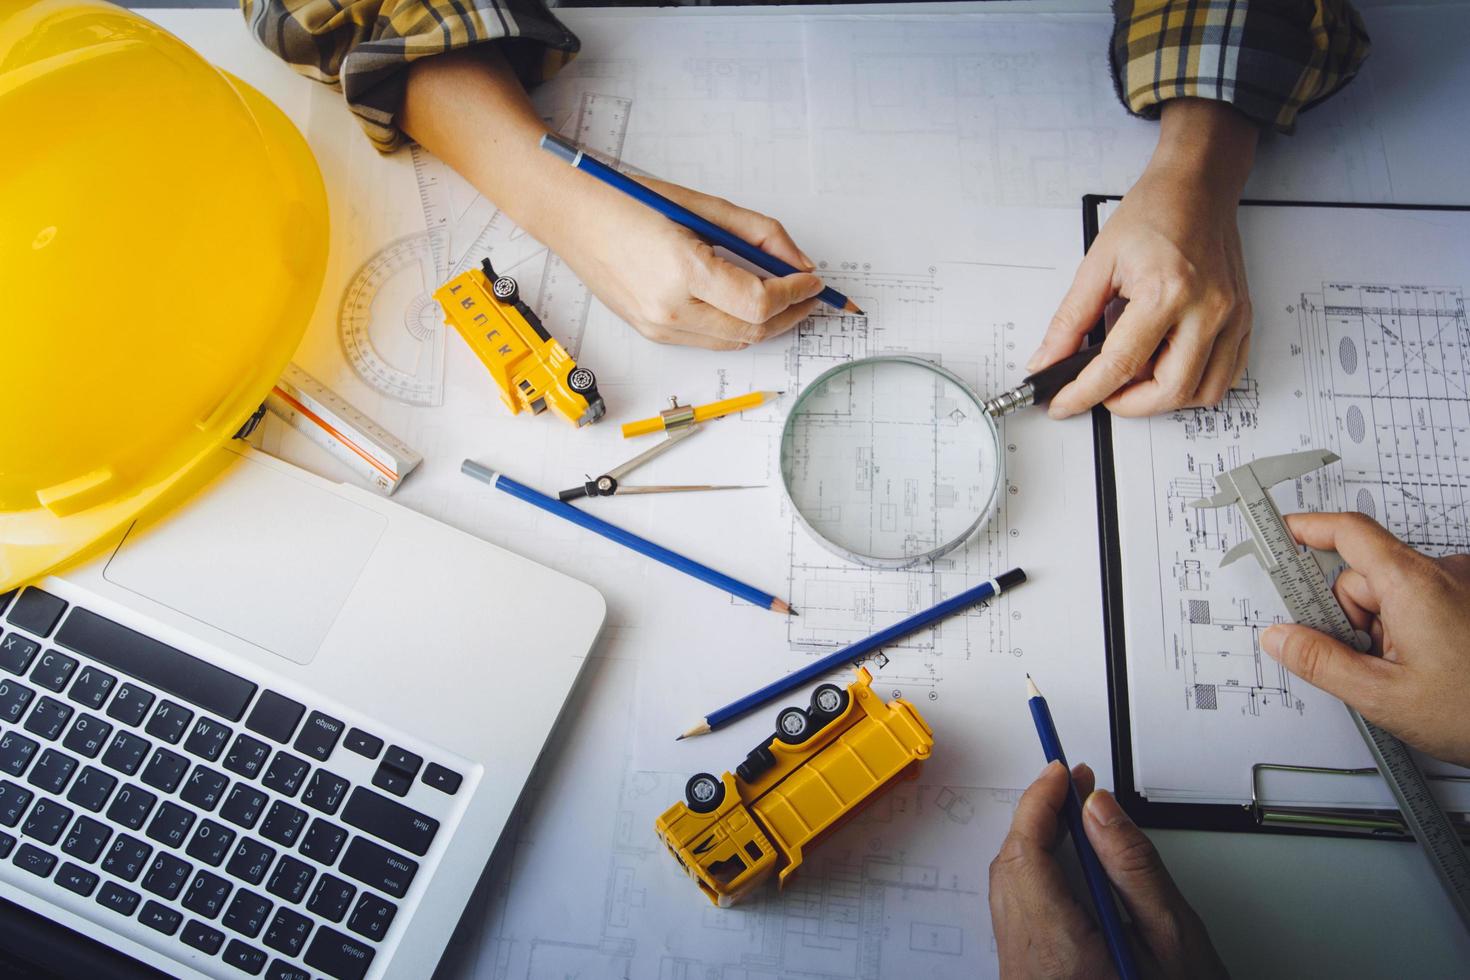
1299,579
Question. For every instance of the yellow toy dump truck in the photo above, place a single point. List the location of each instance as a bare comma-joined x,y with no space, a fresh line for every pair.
534,371
823,763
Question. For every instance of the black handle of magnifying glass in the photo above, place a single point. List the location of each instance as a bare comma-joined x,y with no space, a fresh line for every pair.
1050,380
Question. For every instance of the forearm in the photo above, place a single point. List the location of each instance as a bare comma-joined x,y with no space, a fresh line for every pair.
1208,142
469,109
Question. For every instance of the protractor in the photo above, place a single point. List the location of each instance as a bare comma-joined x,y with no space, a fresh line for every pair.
392,330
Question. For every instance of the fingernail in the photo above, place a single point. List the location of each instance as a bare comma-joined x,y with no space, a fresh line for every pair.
1036,359
1104,809
810,265
1047,768
1271,641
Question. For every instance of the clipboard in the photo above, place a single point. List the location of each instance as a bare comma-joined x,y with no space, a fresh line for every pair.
1259,815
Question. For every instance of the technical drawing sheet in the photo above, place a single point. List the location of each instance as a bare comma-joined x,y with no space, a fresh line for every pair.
1361,347
820,121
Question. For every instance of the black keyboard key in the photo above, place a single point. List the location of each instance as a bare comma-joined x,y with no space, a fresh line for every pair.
323,841
372,917
53,670
331,898
76,879
204,788
92,687
116,897
160,917
17,652
46,822
242,807
130,705
202,937
5,599
49,718
169,721
243,956
126,857
87,736
92,788
166,876
251,860
206,895
403,760
283,824
247,913
171,824
246,756
52,772
338,956
37,612
285,774
281,970
287,932
363,743
207,739
86,839
395,823
319,736
131,806
6,843
38,862
14,798
126,753
212,688
275,716
324,791
392,780
443,779
375,865
291,879
14,697
210,843
16,752
165,770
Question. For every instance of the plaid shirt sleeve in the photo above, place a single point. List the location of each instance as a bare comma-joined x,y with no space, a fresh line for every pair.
1268,58
365,45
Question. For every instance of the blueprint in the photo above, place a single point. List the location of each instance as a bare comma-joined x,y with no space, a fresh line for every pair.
1361,347
821,121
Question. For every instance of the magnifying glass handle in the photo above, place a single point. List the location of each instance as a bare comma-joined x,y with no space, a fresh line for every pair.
1039,388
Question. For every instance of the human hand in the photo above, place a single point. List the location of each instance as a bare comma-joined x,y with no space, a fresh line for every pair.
1041,930
671,286
1172,249
1416,609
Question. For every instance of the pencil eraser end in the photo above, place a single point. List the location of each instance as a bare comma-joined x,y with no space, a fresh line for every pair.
557,146
1009,580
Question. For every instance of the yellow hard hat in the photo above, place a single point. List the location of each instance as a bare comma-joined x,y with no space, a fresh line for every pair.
163,236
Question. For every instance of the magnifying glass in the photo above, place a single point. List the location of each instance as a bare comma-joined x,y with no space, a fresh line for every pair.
892,460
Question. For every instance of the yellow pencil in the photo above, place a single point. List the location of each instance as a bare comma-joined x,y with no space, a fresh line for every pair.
681,415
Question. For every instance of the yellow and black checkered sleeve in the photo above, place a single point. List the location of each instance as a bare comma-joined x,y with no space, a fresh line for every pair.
365,45
1268,58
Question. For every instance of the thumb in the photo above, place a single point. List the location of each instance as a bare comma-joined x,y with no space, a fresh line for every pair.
1133,865
1325,663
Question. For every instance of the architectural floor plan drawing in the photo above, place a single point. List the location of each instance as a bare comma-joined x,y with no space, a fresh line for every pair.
1374,367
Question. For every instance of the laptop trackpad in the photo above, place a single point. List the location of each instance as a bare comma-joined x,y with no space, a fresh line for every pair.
260,554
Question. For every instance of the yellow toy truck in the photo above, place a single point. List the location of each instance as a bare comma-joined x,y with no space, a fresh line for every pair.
823,763
534,371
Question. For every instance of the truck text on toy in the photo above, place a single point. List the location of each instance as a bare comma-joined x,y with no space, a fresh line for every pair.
822,765
532,369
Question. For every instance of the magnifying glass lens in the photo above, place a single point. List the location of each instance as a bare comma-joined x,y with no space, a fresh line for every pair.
890,460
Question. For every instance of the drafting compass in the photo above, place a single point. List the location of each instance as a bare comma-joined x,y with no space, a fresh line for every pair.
609,483
1300,581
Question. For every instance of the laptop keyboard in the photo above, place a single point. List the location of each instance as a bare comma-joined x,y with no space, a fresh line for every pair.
261,832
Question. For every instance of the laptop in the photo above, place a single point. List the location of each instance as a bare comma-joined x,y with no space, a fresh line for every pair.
278,733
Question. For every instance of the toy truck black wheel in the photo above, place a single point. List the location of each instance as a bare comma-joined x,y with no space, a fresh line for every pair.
581,380
794,726
829,701
505,289
704,793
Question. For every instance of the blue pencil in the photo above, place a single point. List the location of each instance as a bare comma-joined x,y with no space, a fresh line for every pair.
625,538
1097,879
818,667
708,230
